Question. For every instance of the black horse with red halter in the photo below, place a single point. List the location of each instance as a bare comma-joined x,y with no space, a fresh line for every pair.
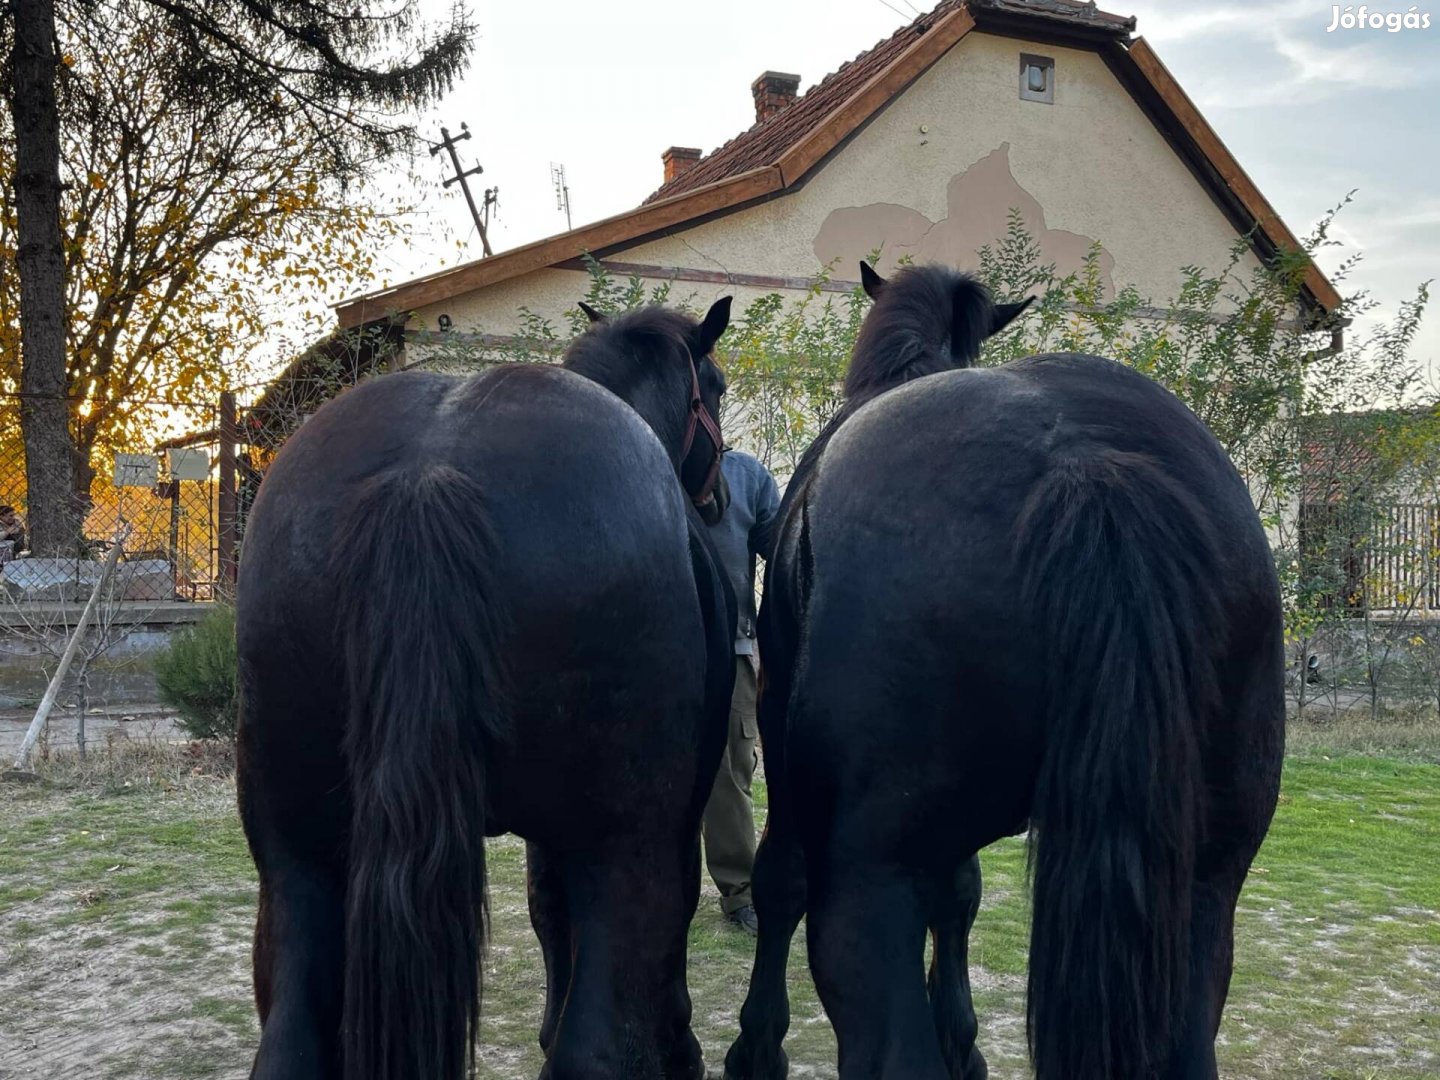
699,348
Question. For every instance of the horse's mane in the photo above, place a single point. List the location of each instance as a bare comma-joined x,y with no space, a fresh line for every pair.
620,353
927,319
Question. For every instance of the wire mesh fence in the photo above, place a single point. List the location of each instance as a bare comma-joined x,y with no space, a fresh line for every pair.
152,487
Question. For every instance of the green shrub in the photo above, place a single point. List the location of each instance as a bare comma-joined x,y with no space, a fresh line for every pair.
197,676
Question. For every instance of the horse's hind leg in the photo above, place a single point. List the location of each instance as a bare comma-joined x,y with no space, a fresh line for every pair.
867,939
627,1015
777,888
1212,927
954,907
294,823
299,970
1243,756
549,915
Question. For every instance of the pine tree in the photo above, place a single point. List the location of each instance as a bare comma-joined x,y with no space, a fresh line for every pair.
344,77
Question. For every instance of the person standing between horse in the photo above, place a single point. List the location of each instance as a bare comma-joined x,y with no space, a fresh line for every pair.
729,822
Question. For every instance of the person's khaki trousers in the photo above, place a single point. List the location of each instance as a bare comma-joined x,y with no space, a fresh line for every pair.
729,822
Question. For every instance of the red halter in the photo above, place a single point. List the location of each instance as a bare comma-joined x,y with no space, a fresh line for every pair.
700,417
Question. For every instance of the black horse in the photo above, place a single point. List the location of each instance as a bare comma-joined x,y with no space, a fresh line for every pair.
470,606
1037,594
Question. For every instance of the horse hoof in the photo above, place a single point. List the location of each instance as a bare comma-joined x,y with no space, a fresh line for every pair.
742,1064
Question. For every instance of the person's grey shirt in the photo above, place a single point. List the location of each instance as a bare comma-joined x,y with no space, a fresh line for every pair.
743,533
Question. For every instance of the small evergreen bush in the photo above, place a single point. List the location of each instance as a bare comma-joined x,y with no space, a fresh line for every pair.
197,676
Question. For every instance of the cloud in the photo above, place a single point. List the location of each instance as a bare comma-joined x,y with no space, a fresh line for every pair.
1276,52
1165,21
1363,65
1419,217
1395,229
1302,72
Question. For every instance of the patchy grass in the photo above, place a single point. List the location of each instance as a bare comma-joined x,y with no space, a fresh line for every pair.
1402,734
127,897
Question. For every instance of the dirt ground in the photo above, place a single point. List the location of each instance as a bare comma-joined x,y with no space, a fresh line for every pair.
127,898
155,723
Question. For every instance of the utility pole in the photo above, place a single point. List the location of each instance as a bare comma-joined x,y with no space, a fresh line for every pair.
562,192
448,143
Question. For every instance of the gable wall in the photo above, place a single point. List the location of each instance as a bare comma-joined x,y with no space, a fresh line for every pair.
1088,167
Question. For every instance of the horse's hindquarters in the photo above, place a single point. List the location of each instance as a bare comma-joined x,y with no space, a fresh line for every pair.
920,642
1039,593
479,595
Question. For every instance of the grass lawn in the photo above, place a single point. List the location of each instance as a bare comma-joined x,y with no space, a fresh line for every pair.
127,896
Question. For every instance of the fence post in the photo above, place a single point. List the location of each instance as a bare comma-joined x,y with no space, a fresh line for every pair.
22,760
229,504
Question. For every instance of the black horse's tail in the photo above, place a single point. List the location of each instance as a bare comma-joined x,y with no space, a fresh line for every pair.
1120,573
420,629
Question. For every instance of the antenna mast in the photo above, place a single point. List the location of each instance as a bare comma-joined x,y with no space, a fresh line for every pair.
562,191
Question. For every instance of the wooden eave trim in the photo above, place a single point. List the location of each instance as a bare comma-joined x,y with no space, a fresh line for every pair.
629,227
1214,151
1038,28
883,88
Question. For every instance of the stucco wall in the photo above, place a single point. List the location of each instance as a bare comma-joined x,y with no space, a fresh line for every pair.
1092,163
33,636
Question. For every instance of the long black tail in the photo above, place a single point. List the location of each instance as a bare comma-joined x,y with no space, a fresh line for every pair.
420,627
1120,571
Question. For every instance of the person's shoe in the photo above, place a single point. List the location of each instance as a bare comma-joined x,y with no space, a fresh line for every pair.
744,918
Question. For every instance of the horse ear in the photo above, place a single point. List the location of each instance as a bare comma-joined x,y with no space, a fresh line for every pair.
1005,314
872,282
716,320
590,313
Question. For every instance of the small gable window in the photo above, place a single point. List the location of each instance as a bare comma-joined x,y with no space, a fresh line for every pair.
1037,78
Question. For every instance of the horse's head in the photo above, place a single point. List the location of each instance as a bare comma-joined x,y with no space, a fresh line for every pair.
662,362
925,319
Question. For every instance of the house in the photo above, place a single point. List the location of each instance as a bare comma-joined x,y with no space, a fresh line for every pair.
919,147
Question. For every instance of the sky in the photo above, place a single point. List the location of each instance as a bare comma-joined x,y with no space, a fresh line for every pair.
604,87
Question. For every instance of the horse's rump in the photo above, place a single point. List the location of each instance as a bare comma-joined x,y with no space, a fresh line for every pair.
422,543
1027,562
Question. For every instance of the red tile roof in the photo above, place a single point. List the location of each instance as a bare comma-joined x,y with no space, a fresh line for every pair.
766,142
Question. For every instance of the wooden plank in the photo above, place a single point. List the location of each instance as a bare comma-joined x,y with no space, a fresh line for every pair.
773,283
844,287
1148,64
227,510
624,228
714,277
907,67
22,760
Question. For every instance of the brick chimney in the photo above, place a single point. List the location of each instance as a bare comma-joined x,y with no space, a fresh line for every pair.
774,93
679,160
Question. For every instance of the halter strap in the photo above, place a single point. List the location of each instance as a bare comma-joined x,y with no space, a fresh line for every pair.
700,417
